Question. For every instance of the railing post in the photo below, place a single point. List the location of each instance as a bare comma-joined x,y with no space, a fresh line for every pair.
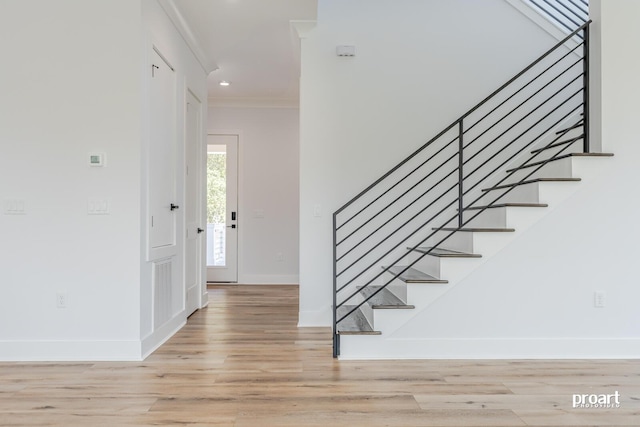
460,172
585,92
336,337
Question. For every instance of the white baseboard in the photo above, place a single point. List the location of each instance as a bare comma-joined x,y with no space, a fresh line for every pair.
322,318
69,351
158,337
362,347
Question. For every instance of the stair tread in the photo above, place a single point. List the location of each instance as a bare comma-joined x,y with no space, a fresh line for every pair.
563,156
355,324
446,253
532,181
383,299
413,276
509,205
477,229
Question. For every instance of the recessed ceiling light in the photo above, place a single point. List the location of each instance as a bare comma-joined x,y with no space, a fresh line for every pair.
224,83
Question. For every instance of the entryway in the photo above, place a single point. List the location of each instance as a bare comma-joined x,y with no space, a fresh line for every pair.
222,208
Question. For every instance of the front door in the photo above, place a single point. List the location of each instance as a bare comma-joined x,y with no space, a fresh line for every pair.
222,208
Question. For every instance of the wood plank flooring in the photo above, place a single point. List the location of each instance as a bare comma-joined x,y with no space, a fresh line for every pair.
243,362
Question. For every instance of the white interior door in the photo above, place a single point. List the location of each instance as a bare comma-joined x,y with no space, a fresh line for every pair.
163,203
194,225
222,208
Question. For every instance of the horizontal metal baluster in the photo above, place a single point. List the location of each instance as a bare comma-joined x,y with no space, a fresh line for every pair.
397,213
522,119
521,89
522,149
400,258
402,226
522,103
574,12
395,185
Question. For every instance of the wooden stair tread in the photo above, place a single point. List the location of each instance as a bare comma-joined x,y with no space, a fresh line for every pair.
509,205
564,156
532,181
477,229
355,324
446,253
412,275
383,299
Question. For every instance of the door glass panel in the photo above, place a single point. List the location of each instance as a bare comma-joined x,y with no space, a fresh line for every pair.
216,205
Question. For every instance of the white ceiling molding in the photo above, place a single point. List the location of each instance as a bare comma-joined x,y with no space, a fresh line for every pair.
208,64
303,27
254,102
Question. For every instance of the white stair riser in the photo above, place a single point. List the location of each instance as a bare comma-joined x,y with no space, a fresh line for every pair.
526,193
555,169
461,242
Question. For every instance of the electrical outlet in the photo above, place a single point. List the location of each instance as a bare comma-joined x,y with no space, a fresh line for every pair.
279,257
61,299
599,299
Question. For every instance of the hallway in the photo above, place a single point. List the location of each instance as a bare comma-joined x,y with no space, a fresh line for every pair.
243,362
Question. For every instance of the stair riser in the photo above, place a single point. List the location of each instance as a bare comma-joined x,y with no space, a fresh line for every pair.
492,218
397,287
527,193
368,313
555,169
443,267
461,242
574,147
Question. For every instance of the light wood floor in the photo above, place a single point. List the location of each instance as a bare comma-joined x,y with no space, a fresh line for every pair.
243,362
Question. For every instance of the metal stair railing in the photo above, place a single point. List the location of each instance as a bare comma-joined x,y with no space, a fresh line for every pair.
434,186
566,14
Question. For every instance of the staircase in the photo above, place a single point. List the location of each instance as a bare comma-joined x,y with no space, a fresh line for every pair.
408,238
566,14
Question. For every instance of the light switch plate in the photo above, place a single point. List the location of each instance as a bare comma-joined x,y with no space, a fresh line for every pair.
14,207
98,206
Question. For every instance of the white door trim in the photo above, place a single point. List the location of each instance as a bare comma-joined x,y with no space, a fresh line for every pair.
240,135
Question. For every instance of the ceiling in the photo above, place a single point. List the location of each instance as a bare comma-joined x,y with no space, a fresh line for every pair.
252,43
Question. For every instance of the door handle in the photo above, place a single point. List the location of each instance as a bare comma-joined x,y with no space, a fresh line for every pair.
231,226
200,230
174,207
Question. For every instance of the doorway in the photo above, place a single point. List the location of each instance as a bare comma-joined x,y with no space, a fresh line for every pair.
222,208
193,205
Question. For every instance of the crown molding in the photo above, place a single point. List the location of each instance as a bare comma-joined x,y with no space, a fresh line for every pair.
253,102
303,27
176,17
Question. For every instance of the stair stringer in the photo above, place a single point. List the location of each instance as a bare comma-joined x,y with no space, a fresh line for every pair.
394,343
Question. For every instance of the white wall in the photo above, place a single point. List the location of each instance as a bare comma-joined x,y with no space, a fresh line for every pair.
418,66
70,86
268,182
73,85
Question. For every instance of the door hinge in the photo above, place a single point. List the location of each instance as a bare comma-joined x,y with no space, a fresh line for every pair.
154,67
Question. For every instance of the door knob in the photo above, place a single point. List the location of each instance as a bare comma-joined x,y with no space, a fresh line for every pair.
200,230
174,207
231,226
